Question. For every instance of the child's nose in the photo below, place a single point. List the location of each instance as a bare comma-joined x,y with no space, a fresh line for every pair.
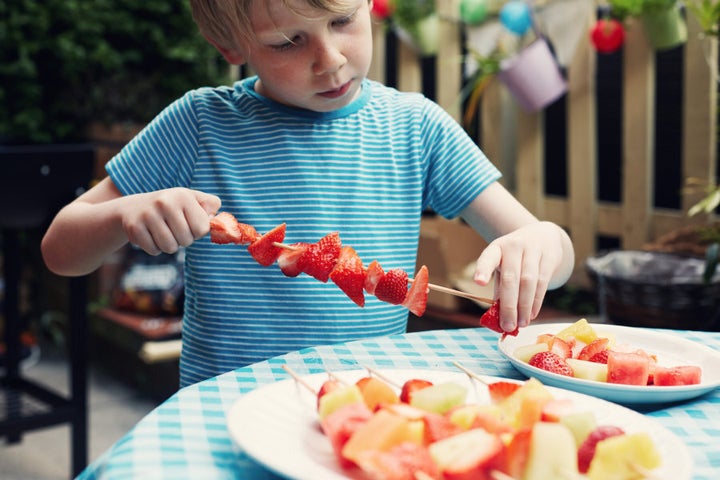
328,58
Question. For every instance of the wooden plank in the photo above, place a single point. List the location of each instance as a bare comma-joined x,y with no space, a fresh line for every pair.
491,134
409,71
449,59
638,132
377,67
530,170
582,151
699,111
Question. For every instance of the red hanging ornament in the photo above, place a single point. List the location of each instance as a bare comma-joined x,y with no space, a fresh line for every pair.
607,35
381,9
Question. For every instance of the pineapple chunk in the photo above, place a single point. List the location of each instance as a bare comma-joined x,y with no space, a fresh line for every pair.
580,330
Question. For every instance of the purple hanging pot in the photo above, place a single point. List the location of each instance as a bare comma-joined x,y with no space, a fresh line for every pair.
533,76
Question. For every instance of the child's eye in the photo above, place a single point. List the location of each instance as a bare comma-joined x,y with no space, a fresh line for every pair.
282,47
341,22
290,43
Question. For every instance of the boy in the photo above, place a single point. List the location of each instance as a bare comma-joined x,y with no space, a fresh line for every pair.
310,142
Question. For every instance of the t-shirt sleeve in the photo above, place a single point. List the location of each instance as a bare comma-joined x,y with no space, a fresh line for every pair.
457,170
162,155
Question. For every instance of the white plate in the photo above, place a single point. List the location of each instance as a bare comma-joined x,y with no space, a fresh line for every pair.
669,349
277,425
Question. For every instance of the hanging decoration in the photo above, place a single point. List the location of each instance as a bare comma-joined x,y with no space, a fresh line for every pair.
662,20
515,50
473,12
515,16
381,9
607,35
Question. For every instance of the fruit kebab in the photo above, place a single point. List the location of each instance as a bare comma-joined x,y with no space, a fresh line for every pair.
327,259
520,430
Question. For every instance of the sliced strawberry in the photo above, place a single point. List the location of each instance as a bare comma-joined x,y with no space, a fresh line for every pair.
349,275
561,347
598,345
491,319
263,249
321,257
287,261
600,357
416,299
224,228
551,362
248,234
393,286
374,273
501,390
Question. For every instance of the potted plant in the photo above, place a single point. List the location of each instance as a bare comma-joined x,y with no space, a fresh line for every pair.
662,20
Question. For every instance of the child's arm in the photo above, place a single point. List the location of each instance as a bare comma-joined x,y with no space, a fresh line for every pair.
102,220
528,255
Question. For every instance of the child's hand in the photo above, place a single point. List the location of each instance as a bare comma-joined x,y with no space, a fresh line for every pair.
524,263
165,220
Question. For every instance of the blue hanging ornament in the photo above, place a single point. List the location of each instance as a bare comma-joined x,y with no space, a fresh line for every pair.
515,16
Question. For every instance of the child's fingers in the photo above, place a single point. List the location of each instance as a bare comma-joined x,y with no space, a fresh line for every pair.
487,263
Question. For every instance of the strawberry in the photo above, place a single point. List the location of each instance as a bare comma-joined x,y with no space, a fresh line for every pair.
374,274
349,275
600,357
321,257
263,249
491,319
501,390
598,345
416,299
287,261
561,347
393,286
411,386
586,451
224,228
551,362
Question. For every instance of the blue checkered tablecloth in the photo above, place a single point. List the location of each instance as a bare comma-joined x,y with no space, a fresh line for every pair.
187,435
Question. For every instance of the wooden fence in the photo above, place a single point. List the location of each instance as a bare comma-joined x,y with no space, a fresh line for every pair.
516,141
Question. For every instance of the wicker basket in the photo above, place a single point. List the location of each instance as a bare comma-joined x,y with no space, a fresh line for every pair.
654,289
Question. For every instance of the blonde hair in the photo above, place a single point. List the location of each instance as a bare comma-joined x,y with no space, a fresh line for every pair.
227,21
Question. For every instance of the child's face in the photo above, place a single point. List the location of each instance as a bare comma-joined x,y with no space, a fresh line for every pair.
309,58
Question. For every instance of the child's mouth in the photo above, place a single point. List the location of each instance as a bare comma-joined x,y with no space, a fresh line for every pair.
338,92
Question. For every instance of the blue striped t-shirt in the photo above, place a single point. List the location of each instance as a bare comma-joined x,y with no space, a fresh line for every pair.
367,171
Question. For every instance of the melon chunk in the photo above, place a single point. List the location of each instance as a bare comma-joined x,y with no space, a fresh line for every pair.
439,398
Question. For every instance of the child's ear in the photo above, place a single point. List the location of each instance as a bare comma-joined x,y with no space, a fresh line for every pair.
230,55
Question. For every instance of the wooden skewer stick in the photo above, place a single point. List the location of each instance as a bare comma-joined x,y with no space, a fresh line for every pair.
299,379
431,286
382,377
470,373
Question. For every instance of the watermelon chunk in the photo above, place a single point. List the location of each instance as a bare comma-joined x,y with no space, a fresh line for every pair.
628,368
678,375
